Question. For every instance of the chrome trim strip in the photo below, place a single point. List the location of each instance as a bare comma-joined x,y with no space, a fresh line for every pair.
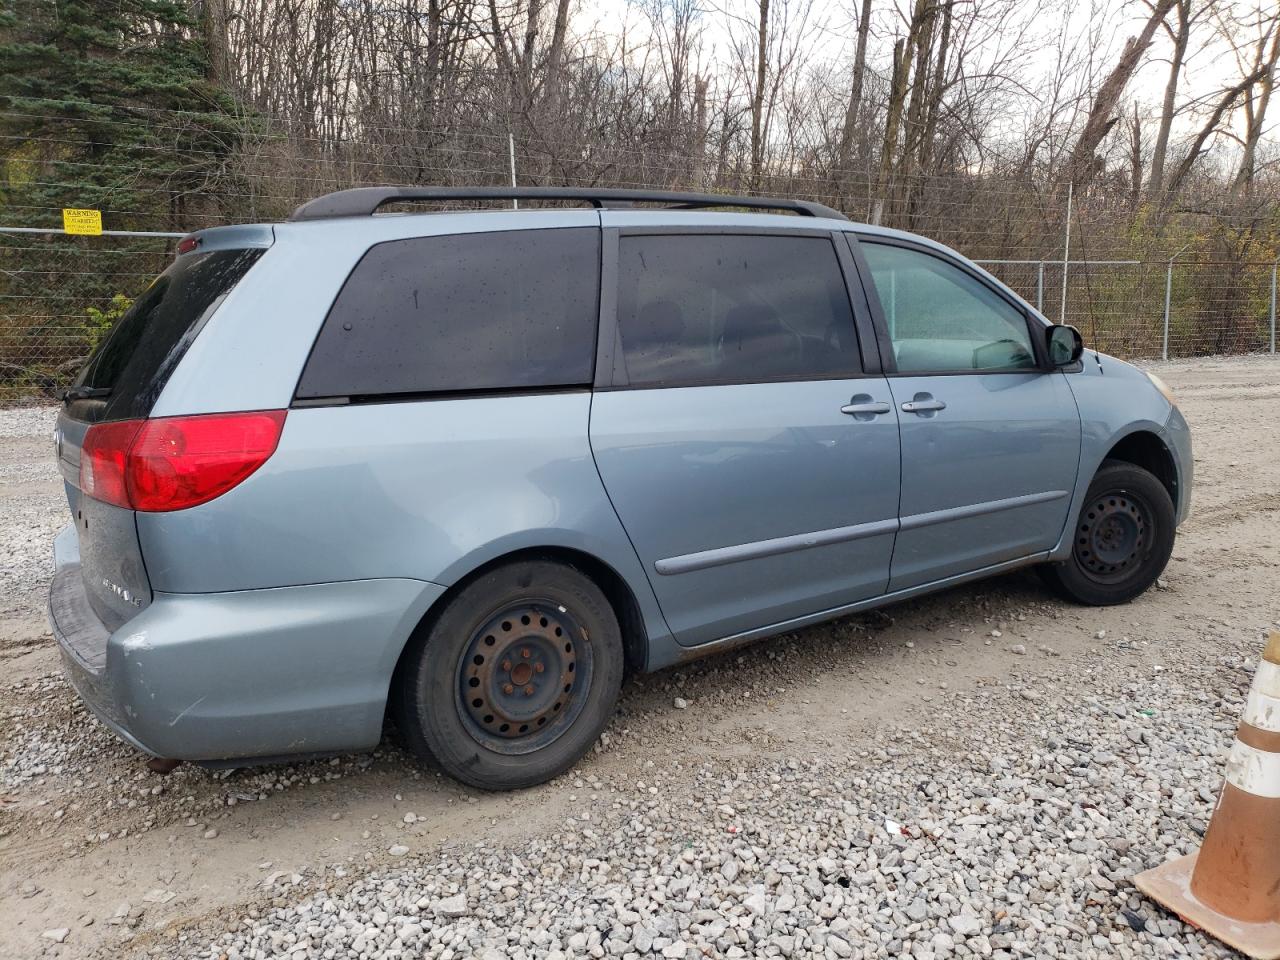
768,548
918,520
756,550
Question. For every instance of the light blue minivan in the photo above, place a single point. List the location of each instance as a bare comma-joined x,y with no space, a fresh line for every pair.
473,468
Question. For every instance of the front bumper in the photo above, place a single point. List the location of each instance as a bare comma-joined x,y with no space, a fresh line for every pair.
248,674
1178,435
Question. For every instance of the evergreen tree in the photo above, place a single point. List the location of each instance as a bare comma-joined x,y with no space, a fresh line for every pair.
109,104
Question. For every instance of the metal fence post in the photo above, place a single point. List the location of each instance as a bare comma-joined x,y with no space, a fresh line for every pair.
1168,296
1040,288
1168,292
1273,305
1066,252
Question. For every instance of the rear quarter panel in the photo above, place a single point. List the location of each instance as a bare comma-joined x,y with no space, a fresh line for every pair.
428,490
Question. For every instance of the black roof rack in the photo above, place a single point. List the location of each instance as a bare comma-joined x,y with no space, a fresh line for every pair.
365,201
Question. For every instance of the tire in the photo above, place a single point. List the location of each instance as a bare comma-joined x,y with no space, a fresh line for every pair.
515,679
1122,538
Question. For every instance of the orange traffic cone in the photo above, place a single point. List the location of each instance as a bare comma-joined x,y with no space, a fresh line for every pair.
1231,887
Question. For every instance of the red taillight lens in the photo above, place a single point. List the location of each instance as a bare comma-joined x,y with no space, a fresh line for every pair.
176,462
104,458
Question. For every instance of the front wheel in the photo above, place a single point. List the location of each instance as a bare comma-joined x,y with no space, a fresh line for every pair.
515,679
1122,538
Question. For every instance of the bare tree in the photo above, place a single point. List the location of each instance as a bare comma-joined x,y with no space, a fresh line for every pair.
1102,116
1257,98
852,114
1186,13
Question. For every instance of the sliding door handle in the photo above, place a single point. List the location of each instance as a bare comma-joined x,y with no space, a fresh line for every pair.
854,409
923,406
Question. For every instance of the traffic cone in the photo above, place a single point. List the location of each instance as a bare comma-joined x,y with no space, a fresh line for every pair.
1231,887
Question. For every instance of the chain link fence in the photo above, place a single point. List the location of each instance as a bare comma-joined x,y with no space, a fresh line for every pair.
1149,310
60,294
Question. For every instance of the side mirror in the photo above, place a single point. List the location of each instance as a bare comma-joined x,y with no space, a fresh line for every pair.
1065,344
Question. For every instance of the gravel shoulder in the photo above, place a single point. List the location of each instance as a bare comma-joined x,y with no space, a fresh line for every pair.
979,773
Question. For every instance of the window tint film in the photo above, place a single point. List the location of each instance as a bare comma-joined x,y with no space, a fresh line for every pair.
143,348
942,318
701,308
478,311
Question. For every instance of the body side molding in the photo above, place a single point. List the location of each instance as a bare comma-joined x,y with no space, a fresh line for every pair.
720,556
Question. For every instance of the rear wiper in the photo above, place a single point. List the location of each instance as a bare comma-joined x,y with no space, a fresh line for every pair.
86,393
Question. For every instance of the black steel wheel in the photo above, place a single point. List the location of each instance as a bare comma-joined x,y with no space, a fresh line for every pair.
514,679
1122,539
1111,535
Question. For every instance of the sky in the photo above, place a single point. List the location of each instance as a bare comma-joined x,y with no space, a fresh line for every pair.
1210,65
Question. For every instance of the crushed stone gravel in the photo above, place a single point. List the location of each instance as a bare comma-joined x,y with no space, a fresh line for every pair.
1050,753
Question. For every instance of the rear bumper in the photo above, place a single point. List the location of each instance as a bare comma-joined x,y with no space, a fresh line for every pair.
249,674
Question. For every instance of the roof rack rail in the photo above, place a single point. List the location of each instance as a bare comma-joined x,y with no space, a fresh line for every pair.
365,201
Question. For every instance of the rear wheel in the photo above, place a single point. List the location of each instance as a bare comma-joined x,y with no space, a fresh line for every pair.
515,679
1122,538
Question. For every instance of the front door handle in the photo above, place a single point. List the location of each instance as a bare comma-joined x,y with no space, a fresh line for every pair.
923,403
854,409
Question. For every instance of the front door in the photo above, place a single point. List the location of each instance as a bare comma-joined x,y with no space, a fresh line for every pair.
752,463
990,437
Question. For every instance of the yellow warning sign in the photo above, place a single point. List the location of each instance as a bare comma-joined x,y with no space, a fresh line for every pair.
84,223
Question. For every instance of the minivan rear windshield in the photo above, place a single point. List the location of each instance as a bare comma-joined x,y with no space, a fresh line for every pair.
125,375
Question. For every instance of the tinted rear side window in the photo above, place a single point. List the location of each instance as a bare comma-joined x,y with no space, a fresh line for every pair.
479,311
143,348
703,308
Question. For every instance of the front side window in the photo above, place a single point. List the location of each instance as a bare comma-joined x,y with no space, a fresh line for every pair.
505,310
704,309
941,318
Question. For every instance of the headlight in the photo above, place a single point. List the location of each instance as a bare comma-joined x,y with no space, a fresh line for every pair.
1163,388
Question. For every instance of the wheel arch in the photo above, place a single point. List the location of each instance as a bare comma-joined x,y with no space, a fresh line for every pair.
1140,443
1146,449
635,638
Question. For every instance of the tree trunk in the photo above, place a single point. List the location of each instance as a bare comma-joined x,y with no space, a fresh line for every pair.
922,36
1210,127
844,155
698,141
893,113
1256,109
892,156
1135,159
1102,115
213,24
1180,39
757,99
937,90
555,58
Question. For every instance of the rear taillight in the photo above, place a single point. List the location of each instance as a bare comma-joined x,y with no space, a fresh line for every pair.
172,463
103,459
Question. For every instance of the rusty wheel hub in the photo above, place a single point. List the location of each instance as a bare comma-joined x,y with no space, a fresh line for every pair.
520,675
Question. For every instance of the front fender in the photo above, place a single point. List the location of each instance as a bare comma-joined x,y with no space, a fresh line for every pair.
1115,401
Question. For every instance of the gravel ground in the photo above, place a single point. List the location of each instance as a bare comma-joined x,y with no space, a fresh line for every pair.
1016,842
31,516
979,773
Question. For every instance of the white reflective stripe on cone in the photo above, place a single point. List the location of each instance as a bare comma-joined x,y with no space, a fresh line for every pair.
1263,707
1254,771
1262,711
